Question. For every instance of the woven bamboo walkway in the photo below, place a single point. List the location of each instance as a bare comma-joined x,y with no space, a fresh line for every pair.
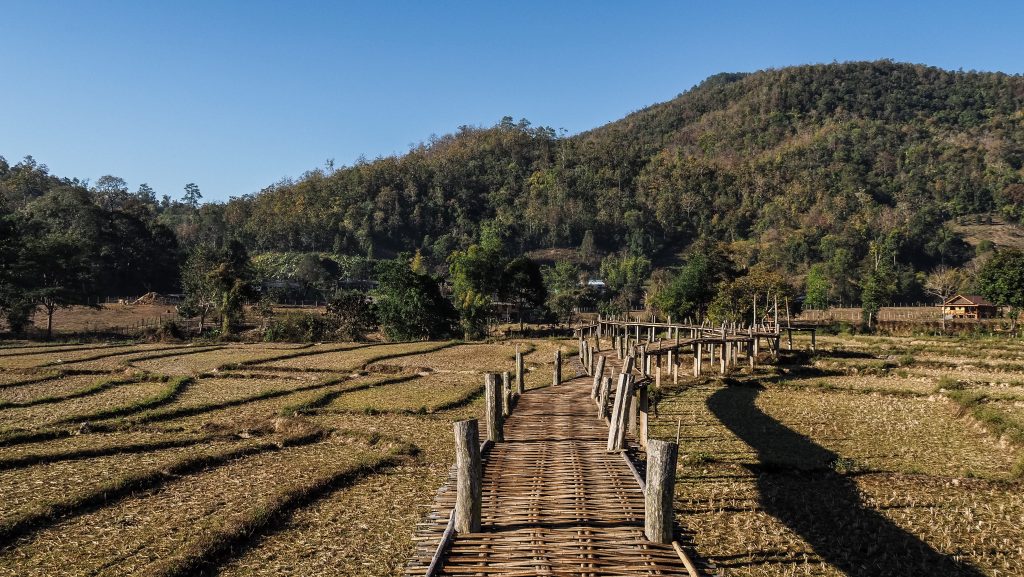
555,502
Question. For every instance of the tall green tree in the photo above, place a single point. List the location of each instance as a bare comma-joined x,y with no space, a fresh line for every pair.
475,275
15,303
522,283
625,275
817,288
198,285
1001,280
409,305
877,289
689,291
563,288
232,281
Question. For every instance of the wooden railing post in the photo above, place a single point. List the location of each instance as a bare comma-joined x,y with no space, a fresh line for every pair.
469,476
506,394
698,357
620,413
602,397
598,373
644,401
661,482
492,394
556,378
520,374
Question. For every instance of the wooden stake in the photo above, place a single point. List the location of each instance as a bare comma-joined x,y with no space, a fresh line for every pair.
506,394
620,412
469,475
644,402
492,394
598,374
661,482
520,374
556,378
602,397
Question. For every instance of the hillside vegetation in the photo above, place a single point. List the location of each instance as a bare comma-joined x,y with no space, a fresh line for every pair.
790,166
848,182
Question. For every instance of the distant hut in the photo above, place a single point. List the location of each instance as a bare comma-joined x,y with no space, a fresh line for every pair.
968,307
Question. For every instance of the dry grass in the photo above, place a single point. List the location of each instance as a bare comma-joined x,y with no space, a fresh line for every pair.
56,358
362,530
79,409
421,394
886,456
351,358
34,492
76,319
59,387
888,433
201,362
494,357
131,537
862,449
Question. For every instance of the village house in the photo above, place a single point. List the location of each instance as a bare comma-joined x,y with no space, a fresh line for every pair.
968,307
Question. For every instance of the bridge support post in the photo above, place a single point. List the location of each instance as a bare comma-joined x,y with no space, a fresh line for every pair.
587,358
469,477
506,394
661,482
556,378
492,394
520,373
620,413
643,401
598,374
602,397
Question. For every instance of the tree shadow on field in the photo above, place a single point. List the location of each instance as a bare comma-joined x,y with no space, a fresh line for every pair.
800,488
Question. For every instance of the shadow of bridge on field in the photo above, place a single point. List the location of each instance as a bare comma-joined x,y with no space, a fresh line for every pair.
799,487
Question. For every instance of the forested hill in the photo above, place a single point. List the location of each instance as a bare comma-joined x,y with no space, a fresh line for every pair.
789,166
847,165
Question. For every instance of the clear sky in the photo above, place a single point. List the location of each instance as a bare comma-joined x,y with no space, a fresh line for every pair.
236,95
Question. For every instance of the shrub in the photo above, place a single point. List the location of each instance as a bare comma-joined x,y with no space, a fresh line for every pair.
352,313
170,331
845,465
950,384
300,328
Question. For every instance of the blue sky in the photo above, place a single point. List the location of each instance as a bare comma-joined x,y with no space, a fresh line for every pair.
236,95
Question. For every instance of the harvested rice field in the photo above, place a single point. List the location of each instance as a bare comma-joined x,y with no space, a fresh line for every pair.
232,459
873,456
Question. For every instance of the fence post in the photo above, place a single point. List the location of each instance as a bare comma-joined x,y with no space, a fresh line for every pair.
469,473
602,397
520,377
644,402
598,373
506,394
556,378
698,353
620,413
661,482
493,398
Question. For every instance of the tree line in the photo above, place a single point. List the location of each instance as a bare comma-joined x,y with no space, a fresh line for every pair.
838,184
